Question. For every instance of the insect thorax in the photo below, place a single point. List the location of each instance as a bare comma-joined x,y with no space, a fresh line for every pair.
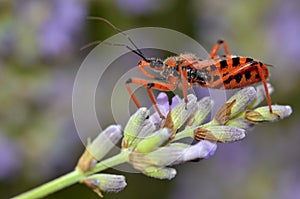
197,76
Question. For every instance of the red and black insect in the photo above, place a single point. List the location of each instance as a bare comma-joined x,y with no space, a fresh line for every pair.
186,70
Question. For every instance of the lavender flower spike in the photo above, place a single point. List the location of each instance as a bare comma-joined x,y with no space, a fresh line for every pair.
152,148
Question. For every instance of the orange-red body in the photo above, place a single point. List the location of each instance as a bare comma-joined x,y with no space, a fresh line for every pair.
186,70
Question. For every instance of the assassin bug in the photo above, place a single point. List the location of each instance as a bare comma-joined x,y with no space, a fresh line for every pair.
186,70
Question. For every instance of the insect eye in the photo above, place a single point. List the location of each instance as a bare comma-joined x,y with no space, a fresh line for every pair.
159,63
152,63
155,63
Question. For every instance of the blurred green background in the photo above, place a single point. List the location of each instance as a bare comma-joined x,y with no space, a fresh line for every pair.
39,58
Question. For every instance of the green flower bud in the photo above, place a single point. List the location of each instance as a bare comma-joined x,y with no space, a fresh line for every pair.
182,111
167,155
240,122
133,127
260,95
100,146
262,114
235,105
105,141
219,133
203,109
105,182
153,141
147,129
160,172
177,153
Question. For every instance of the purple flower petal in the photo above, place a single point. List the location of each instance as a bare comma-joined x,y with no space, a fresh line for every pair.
203,149
162,101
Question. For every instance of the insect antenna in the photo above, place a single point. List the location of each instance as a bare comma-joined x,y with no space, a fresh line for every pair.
269,65
136,50
90,44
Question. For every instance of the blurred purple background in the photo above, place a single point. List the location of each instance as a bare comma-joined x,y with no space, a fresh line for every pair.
39,58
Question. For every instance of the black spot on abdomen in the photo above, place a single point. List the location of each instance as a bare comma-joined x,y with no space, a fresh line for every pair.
223,64
238,78
235,61
247,74
227,81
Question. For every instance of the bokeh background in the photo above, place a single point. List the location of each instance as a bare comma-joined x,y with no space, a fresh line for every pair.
39,58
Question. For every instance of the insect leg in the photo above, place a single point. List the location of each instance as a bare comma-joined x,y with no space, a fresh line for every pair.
131,93
150,85
146,73
218,83
263,79
215,49
184,83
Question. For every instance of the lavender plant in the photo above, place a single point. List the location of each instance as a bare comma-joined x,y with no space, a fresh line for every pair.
152,145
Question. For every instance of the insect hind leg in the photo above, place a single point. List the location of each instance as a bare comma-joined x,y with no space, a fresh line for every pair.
263,79
216,48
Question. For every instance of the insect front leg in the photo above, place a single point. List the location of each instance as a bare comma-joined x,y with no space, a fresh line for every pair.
150,85
146,73
215,49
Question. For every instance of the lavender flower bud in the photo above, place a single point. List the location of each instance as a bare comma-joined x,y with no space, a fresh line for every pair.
147,129
167,155
164,106
105,141
235,105
240,122
106,183
180,113
260,95
219,133
177,153
152,142
203,108
160,172
133,127
203,149
100,146
262,114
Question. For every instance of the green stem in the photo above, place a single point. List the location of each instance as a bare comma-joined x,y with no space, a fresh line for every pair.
72,178
53,186
110,162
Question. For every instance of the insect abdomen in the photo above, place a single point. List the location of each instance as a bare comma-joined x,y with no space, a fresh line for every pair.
228,73
237,72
